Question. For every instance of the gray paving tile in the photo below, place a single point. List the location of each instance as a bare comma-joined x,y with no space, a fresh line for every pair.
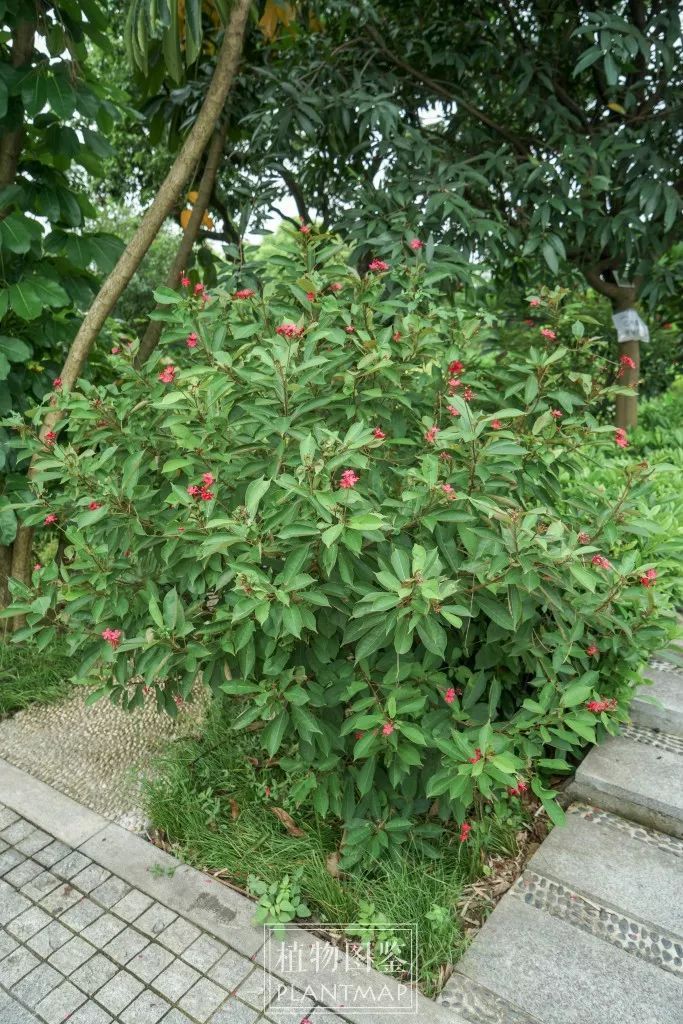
28,923
103,930
11,903
41,885
36,985
60,1003
23,873
34,842
49,855
230,970
204,953
256,989
120,992
176,1017
124,946
60,899
202,1000
82,914
12,1012
7,818
175,980
7,943
94,973
132,905
9,860
3,846
90,1013
179,935
71,955
89,878
71,865
17,831
111,891
49,939
148,1008
154,920
150,962
16,965
285,1010
234,1012
320,1016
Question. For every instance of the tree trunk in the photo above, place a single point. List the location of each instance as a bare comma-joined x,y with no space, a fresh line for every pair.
12,143
5,572
627,405
622,297
152,220
151,336
21,566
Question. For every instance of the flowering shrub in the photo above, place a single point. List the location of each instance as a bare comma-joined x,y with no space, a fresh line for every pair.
338,511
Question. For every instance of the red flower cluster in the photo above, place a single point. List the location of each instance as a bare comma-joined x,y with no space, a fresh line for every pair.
597,706
348,479
115,351
477,756
197,491
185,281
534,302
305,229
287,330
431,435
378,266
468,394
584,538
591,651
49,519
556,414
454,384
621,437
465,830
387,728
192,340
496,424
244,293
517,790
350,329
336,286
167,375
50,438
456,366
415,244
449,696
601,562
453,411
310,296
648,579
112,636
57,383
94,505
396,336
547,333
626,361
379,433
449,492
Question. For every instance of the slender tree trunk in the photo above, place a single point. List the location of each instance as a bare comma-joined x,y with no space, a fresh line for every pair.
622,297
151,336
152,220
21,566
5,572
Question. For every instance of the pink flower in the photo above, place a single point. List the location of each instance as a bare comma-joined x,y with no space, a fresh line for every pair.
454,384
358,735
534,302
167,375
591,651
597,706
468,394
115,351
415,244
387,728
205,494
449,696
396,336
199,288
310,296
192,340
556,414
431,435
244,293
621,438
626,361
350,329
49,519
50,438
289,330
465,830
584,538
194,490
185,281
529,323
601,562
379,434
94,505
445,456
496,425
648,579
112,636
453,411
336,286
37,567
517,790
456,366
477,756
378,266
208,479
449,492
348,479
57,383
547,333
305,229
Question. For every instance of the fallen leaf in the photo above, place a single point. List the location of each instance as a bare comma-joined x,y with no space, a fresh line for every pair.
332,864
234,809
288,821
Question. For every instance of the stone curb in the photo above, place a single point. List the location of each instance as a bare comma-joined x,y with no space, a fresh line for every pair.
215,908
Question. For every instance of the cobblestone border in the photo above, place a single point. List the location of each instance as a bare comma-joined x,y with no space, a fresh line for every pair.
644,835
653,945
654,738
478,1005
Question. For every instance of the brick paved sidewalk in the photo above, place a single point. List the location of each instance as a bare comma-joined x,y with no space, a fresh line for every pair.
97,926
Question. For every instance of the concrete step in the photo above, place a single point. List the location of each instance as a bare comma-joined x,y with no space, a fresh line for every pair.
637,775
667,689
546,954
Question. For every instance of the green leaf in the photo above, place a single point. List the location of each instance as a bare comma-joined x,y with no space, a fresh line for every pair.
170,609
432,635
24,301
366,775
495,610
575,694
369,521
255,491
14,349
274,733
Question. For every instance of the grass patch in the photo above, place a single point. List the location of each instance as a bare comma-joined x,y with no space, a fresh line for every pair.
29,676
213,803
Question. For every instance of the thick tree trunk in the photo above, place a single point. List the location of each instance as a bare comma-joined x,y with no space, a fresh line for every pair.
152,220
151,336
12,142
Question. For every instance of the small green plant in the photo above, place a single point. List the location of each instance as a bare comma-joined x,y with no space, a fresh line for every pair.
280,902
158,871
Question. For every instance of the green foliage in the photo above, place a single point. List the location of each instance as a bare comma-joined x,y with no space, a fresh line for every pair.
435,630
279,902
30,676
